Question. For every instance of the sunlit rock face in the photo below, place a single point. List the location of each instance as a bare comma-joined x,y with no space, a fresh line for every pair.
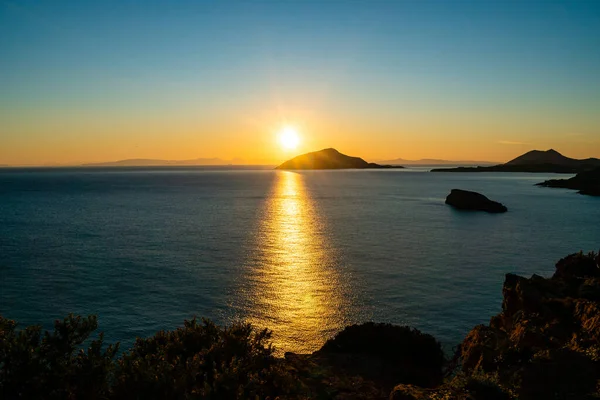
547,336
292,285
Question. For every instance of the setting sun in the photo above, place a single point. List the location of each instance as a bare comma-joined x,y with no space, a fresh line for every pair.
288,138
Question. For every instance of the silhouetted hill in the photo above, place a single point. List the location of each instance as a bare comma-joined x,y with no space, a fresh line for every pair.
587,182
143,162
328,159
536,157
549,161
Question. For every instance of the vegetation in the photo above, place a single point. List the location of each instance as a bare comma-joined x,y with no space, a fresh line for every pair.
205,361
199,360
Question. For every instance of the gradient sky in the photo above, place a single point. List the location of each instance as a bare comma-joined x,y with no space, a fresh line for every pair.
89,81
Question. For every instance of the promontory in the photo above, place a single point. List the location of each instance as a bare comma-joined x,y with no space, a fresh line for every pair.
587,182
549,161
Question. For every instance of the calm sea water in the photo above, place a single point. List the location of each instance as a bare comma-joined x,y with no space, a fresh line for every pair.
302,253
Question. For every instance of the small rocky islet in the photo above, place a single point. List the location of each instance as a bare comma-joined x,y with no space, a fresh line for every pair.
473,201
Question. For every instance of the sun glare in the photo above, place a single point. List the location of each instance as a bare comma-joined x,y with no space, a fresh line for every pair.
288,138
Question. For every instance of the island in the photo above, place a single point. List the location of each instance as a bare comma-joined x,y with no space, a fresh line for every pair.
473,201
587,182
330,159
549,161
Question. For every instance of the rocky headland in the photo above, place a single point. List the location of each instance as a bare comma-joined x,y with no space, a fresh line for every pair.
329,159
587,182
545,344
473,201
549,161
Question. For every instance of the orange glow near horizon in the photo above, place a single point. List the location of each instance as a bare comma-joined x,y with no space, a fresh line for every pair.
252,137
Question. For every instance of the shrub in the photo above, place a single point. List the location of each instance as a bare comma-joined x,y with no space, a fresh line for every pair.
195,361
53,365
407,354
201,360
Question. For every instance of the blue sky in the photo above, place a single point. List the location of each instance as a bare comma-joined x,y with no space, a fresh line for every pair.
398,76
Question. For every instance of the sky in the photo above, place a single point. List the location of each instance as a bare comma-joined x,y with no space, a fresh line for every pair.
92,81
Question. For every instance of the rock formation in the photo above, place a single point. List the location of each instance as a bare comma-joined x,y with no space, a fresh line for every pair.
467,200
545,344
587,182
366,361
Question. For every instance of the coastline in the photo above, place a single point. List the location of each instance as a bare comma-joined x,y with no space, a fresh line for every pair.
548,327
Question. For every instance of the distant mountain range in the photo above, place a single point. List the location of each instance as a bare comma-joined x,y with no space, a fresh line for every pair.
329,159
433,161
550,161
142,162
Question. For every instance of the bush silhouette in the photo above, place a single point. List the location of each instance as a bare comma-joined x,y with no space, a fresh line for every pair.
199,360
406,354
202,360
53,365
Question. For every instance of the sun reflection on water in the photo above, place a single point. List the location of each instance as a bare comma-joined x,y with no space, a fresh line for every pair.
293,285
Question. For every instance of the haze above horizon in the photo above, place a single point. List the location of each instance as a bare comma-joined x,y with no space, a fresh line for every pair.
88,82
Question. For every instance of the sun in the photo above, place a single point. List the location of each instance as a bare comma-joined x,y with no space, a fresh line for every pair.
288,138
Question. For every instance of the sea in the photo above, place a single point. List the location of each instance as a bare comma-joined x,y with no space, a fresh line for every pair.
302,253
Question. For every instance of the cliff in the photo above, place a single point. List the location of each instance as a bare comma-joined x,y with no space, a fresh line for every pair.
545,344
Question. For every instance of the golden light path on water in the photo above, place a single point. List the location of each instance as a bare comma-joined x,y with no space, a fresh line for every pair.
293,286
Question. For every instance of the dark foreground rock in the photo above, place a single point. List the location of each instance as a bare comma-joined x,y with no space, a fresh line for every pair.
467,200
366,362
587,182
545,344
